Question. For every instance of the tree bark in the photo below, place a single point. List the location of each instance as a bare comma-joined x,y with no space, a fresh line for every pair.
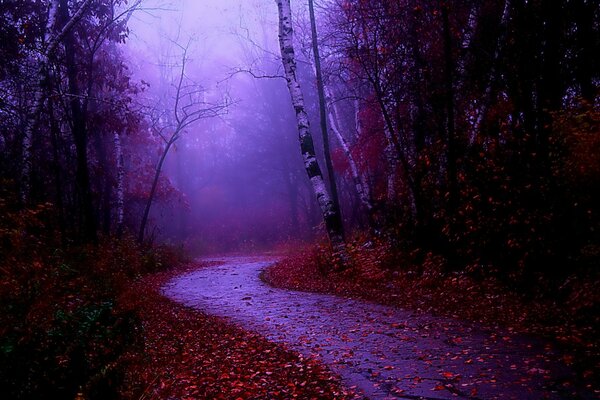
450,127
120,184
42,71
153,188
322,106
487,97
360,183
80,134
331,214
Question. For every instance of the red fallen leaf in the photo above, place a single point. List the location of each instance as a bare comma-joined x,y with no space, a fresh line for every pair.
388,367
473,392
568,359
439,387
448,375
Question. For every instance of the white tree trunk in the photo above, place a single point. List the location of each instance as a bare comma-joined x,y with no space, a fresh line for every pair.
331,215
359,180
360,183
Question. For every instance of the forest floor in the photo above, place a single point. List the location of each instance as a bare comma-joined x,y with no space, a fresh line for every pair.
378,351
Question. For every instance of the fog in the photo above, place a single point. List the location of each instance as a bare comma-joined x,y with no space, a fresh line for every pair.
234,179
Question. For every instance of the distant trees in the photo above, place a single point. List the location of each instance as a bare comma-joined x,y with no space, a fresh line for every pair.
186,104
65,92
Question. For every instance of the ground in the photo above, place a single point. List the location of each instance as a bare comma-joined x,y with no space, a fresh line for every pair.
378,351
187,354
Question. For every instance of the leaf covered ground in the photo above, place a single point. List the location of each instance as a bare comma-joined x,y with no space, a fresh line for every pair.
185,354
569,320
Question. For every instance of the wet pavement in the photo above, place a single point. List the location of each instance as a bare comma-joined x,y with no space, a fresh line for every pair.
383,352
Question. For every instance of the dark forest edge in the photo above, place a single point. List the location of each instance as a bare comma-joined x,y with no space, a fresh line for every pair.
67,321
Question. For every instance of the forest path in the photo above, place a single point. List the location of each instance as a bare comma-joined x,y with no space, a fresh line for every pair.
384,352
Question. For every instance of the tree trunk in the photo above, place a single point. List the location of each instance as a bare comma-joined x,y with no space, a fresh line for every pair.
450,128
38,102
105,195
120,184
80,135
153,189
486,99
587,49
322,107
329,109
360,183
51,41
54,136
467,38
331,214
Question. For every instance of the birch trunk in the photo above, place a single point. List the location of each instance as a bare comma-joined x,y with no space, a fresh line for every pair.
332,114
120,184
360,183
37,107
331,215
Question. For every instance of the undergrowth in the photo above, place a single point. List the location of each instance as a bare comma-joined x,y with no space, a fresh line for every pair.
63,328
565,312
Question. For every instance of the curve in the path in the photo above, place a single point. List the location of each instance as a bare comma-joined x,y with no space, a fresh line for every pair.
383,351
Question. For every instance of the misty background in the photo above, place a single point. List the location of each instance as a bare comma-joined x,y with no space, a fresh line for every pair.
235,181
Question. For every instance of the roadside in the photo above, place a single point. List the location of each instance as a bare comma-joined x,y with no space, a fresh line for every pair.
571,332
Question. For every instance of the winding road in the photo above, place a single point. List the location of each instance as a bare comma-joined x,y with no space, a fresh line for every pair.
382,352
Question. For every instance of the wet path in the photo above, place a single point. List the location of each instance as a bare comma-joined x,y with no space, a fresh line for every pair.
385,352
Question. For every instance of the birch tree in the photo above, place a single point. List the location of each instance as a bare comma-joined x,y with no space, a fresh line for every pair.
359,180
331,213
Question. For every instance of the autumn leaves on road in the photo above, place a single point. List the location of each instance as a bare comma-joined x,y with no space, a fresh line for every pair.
378,351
